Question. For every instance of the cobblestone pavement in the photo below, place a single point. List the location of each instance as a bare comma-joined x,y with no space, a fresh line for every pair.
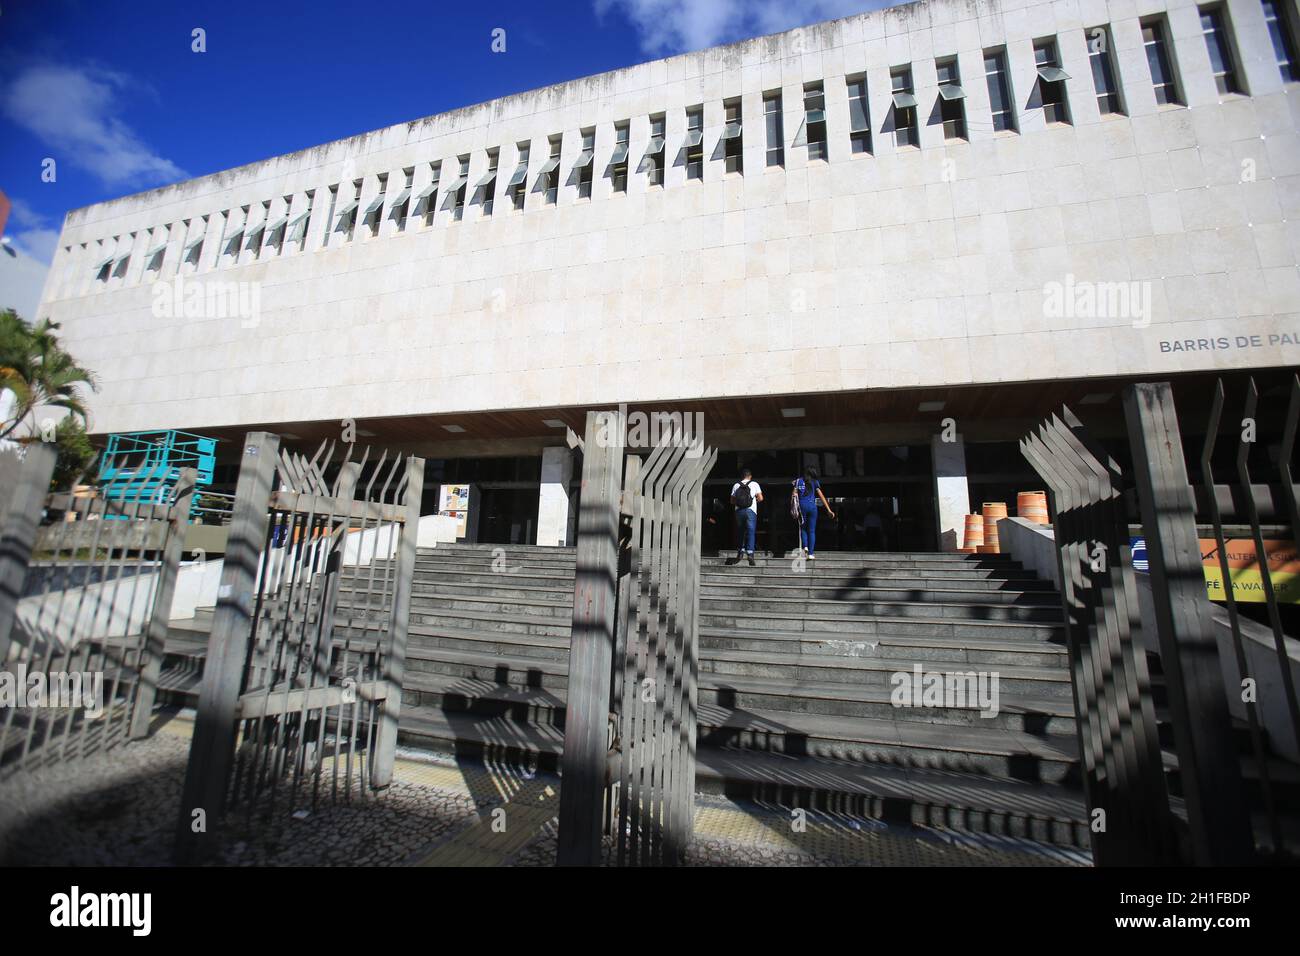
120,807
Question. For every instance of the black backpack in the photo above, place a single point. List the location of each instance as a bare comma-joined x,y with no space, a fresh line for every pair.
743,498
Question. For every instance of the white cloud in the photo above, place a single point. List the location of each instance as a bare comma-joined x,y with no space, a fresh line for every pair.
34,235
22,278
75,111
677,26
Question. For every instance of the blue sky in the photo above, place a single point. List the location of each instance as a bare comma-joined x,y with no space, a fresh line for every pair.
113,92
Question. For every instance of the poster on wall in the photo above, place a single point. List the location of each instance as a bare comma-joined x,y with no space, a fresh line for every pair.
453,501
1243,568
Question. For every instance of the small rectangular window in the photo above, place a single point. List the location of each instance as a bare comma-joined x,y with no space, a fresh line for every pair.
1051,82
952,99
1103,71
329,217
233,238
814,105
402,204
904,107
1281,30
275,229
586,165
733,138
298,228
255,231
375,210
1163,79
458,188
1000,102
695,143
859,116
348,215
518,185
153,257
426,202
487,186
551,171
193,250
618,161
774,128
1218,43
652,164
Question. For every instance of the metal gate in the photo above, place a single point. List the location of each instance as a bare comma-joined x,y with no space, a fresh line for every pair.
86,586
1133,816
630,719
302,688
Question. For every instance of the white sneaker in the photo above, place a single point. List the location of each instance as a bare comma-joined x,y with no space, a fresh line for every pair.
812,557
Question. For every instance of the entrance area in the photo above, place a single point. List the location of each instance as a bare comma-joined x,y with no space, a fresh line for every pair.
883,499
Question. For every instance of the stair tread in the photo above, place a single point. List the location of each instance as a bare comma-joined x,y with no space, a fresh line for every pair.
1018,671
898,640
997,741
1010,702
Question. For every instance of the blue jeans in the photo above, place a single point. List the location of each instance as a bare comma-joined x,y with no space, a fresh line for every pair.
808,530
746,523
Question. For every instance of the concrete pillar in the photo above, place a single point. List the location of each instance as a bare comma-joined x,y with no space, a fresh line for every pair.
553,506
951,494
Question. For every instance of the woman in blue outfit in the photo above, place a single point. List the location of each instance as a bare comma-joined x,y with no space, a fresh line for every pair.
808,490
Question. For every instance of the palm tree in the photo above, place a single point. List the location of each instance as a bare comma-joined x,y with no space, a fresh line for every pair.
34,366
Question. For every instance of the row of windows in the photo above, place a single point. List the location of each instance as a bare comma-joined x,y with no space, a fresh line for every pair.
249,232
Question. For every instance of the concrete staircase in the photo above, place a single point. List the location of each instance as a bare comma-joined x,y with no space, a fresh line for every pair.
794,680
795,683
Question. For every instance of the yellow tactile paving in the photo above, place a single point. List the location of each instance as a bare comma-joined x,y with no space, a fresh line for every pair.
504,829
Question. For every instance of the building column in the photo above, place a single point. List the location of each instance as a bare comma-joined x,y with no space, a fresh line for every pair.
553,518
951,494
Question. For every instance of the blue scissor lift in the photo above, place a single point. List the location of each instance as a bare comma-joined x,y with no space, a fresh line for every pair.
145,466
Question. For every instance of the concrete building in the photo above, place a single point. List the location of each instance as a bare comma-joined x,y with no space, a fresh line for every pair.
884,244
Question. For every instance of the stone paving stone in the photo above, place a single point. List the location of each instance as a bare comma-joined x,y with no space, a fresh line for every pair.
119,807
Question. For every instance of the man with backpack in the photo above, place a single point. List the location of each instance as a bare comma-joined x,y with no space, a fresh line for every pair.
745,495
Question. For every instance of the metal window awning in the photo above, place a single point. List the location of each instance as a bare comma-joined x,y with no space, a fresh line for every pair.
619,155
298,227
401,197
486,181
1052,74
342,214
148,256
234,239
731,131
694,137
518,176
801,135
904,101
549,166
277,225
585,158
951,91
425,197
376,204
99,266
122,260
191,246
